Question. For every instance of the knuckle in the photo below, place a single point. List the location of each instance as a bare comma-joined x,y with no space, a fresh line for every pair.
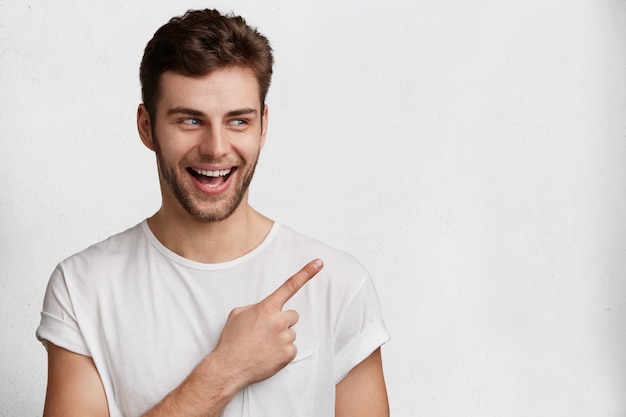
310,270
288,354
285,338
292,284
235,311
279,326
293,352
263,308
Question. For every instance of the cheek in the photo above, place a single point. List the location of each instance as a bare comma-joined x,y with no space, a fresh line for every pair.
172,148
250,150
169,155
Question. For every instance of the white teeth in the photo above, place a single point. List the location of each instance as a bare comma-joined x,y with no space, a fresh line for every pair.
220,173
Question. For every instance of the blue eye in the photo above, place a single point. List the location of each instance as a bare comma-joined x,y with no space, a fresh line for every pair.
191,121
238,122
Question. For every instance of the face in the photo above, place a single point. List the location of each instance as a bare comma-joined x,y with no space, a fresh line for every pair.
207,136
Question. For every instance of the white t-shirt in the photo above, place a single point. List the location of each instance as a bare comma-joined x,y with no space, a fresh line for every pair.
148,316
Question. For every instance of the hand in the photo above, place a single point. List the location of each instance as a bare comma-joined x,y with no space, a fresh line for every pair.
257,340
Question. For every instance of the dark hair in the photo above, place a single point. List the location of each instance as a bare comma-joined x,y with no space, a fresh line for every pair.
200,42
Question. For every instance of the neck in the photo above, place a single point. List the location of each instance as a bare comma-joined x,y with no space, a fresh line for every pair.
211,242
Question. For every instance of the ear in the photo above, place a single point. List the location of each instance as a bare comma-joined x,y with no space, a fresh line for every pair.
264,121
145,127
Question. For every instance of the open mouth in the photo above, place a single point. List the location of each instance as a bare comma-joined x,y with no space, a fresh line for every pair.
211,179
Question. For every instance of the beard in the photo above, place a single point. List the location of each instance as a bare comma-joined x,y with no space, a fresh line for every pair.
202,207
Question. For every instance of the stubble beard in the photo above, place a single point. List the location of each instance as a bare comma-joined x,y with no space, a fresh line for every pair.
205,208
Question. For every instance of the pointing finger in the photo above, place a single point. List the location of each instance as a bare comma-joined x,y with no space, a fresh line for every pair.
290,287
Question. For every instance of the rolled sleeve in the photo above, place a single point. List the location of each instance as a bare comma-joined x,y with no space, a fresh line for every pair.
361,330
58,323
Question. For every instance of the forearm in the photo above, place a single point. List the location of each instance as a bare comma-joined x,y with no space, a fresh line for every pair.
204,393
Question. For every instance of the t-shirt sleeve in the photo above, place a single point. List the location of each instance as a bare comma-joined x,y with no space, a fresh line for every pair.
361,330
58,319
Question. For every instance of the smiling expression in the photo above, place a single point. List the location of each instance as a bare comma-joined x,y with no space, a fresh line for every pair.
207,136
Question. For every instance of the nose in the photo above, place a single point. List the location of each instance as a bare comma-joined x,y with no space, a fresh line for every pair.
214,142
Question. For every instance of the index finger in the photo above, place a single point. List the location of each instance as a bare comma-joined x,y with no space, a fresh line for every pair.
290,287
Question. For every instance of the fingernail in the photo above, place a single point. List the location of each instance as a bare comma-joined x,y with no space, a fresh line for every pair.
318,264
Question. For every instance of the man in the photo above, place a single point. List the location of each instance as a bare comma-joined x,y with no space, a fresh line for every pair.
188,313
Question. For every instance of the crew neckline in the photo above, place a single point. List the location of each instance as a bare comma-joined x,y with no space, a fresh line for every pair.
173,256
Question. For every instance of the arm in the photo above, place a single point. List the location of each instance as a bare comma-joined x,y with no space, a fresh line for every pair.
362,393
75,389
205,392
74,386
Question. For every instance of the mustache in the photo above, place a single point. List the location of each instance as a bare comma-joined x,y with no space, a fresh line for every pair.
212,161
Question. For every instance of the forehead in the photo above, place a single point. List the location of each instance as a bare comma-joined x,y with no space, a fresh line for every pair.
224,89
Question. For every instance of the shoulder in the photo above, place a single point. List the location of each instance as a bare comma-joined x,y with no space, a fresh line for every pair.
112,252
80,281
297,241
339,265
114,244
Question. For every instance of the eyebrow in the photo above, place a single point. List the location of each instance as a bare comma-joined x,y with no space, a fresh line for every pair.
186,111
196,113
242,112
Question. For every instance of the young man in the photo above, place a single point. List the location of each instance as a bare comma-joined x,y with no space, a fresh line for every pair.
188,313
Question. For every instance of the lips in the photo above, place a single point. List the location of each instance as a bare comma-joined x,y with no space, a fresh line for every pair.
210,179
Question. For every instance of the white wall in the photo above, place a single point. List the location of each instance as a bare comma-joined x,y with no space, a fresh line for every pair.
471,154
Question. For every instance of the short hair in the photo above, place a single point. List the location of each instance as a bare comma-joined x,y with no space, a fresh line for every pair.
200,42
